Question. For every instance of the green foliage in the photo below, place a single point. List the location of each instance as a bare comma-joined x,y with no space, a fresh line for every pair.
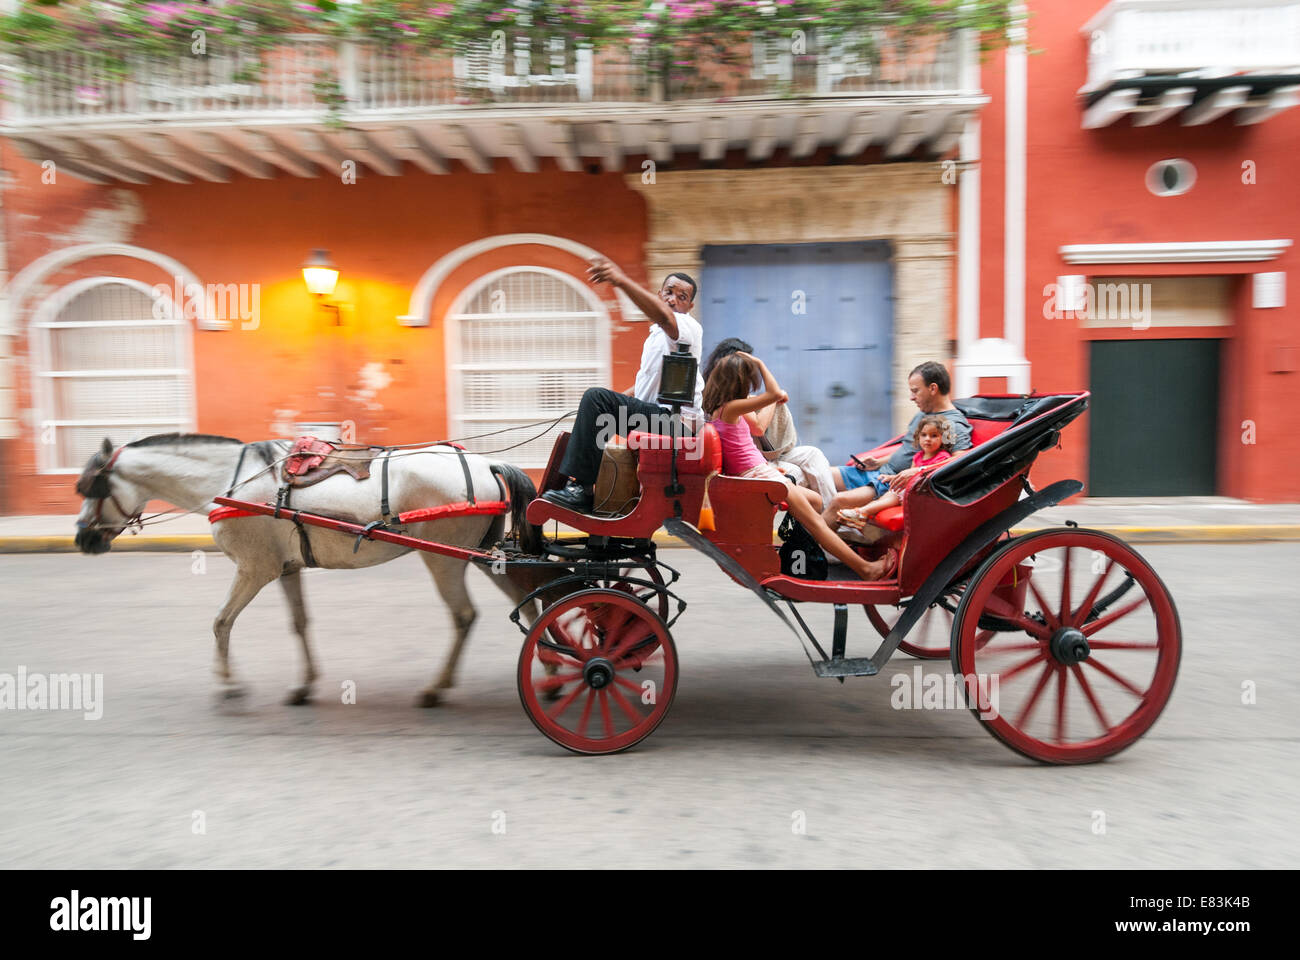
675,36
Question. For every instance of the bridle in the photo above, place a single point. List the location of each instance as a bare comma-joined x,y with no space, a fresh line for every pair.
99,491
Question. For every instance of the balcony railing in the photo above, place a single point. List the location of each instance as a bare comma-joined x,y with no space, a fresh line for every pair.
1129,39
302,75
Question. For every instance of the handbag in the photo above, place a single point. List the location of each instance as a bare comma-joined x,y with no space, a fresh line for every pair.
801,555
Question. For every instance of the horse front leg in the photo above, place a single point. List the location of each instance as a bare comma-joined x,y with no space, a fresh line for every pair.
292,584
243,589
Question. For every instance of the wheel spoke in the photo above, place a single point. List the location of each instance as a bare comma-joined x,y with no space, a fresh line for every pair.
555,681
1011,647
605,715
1118,645
1043,605
1004,676
983,637
1092,699
1060,705
1101,622
630,685
1116,677
1078,616
563,705
586,712
626,707
997,607
1028,708
1065,588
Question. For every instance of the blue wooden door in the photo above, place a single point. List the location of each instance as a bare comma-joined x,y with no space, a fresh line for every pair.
821,316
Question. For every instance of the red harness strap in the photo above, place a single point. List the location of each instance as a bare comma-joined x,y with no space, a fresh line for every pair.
227,513
462,509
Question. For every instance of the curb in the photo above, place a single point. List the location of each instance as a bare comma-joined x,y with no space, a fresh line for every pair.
1205,533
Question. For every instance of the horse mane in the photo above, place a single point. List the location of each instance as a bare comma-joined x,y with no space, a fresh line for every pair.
164,439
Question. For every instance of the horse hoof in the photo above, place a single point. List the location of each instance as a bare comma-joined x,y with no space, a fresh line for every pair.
298,696
427,698
233,691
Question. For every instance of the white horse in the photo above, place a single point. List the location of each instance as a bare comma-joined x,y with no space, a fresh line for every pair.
188,470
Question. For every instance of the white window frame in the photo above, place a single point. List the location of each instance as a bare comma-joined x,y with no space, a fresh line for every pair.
42,376
460,424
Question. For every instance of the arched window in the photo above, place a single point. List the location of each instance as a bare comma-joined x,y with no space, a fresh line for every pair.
523,343
109,360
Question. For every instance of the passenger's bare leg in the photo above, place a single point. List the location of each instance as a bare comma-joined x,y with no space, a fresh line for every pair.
845,500
803,512
891,499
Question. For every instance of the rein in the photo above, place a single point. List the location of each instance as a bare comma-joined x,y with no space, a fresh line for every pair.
100,490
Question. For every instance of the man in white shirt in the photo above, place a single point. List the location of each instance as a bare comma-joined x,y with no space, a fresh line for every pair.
604,413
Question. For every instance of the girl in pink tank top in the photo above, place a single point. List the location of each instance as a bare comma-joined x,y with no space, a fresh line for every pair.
726,402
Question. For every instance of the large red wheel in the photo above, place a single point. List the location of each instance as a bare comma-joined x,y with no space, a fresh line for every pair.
598,671
928,639
1080,664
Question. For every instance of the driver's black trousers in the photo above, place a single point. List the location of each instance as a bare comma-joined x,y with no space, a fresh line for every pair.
603,415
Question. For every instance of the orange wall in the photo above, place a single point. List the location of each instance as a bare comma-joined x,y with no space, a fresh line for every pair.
1088,186
383,232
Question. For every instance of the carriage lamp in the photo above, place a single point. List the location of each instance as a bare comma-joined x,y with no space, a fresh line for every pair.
321,274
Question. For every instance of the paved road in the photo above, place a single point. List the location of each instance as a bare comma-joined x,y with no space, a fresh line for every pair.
755,744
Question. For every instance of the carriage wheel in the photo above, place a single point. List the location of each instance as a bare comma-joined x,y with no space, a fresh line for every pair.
1083,666
656,600
928,640
598,671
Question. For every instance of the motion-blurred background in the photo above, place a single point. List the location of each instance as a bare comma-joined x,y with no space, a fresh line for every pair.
1044,196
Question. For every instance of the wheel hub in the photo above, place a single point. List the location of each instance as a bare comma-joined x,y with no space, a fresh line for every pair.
598,672
1069,646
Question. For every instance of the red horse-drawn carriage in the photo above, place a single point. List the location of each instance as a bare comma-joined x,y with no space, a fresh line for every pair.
1071,629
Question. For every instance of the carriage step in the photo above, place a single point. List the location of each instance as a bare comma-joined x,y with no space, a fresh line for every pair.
849,667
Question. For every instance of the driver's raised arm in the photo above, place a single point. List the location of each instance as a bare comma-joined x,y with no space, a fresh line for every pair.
604,271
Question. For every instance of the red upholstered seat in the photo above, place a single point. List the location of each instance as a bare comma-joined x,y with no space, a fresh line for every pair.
700,454
891,518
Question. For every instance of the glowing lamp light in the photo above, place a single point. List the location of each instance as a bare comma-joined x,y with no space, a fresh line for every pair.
320,273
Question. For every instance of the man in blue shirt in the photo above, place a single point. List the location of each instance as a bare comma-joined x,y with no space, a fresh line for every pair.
931,389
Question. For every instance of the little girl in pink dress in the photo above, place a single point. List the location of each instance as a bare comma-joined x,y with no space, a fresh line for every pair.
934,439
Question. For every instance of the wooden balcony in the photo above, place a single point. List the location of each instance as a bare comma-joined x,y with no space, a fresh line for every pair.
1196,60
308,105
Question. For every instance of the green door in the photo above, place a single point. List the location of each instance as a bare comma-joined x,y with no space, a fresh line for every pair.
1153,418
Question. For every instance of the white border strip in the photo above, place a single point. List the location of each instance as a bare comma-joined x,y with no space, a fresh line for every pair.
1198,251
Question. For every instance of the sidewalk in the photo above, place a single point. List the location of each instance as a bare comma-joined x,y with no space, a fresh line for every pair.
1160,520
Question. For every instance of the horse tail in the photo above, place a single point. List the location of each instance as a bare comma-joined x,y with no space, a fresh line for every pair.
522,492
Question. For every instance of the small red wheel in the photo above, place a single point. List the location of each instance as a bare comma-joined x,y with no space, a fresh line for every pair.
928,639
1082,655
598,671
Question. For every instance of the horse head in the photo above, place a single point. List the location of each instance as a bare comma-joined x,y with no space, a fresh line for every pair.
112,503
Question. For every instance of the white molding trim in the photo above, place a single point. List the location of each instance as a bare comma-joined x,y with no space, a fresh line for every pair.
42,391
27,278
452,329
417,313
1016,172
1187,251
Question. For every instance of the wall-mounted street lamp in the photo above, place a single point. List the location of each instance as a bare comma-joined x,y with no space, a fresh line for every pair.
321,275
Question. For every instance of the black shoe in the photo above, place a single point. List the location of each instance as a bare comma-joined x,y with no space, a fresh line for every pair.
573,497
